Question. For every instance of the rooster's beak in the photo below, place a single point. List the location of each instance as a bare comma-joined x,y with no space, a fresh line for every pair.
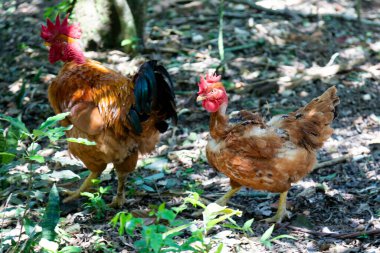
201,98
47,44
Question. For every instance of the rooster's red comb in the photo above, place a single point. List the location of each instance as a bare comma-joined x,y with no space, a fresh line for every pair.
50,31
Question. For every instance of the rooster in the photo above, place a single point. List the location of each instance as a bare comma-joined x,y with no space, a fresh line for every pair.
263,155
122,115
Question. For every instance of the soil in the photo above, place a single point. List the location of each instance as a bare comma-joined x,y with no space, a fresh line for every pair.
261,50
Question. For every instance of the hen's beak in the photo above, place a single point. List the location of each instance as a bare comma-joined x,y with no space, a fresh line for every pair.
47,44
201,98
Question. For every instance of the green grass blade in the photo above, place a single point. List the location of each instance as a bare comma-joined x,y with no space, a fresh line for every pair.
51,216
267,234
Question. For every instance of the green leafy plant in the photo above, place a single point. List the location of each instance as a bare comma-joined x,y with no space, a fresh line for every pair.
161,235
131,42
63,6
266,239
19,145
17,133
246,228
156,237
96,203
43,233
99,244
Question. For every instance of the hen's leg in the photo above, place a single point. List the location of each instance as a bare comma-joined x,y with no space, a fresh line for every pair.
222,201
84,187
122,170
281,210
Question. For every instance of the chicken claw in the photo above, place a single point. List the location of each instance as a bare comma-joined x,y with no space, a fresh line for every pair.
281,211
222,201
117,202
71,195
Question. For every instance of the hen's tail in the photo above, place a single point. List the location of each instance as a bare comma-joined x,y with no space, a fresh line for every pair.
309,126
154,97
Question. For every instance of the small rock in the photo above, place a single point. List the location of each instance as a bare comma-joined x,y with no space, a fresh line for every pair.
375,46
235,97
197,38
375,118
326,230
163,150
241,32
360,227
287,93
339,249
240,7
283,101
251,22
366,97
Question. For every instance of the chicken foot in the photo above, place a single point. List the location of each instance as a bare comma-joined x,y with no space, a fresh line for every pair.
222,201
119,200
122,170
72,195
281,210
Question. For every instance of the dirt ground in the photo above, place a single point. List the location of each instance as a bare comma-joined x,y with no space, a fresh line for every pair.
276,61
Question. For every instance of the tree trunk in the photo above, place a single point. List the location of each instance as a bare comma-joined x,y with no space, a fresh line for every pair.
138,8
111,23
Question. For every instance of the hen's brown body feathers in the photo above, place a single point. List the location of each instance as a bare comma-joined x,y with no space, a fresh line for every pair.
271,156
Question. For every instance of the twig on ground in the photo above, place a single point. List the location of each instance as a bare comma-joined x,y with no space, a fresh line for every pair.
337,160
158,192
237,48
332,162
288,13
351,235
307,75
166,50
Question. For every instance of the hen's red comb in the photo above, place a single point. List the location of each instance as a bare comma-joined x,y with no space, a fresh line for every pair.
203,83
49,32
214,78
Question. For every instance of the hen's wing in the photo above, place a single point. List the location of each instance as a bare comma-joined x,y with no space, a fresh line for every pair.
247,156
309,126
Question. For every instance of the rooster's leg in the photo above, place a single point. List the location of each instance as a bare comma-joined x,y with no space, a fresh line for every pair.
84,187
119,200
281,210
122,170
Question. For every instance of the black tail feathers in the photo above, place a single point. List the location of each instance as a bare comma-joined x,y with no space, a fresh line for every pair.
154,95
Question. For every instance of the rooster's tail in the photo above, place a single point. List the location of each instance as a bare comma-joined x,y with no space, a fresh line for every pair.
154,97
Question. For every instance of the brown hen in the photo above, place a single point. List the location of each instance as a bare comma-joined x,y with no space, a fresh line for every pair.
262,155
